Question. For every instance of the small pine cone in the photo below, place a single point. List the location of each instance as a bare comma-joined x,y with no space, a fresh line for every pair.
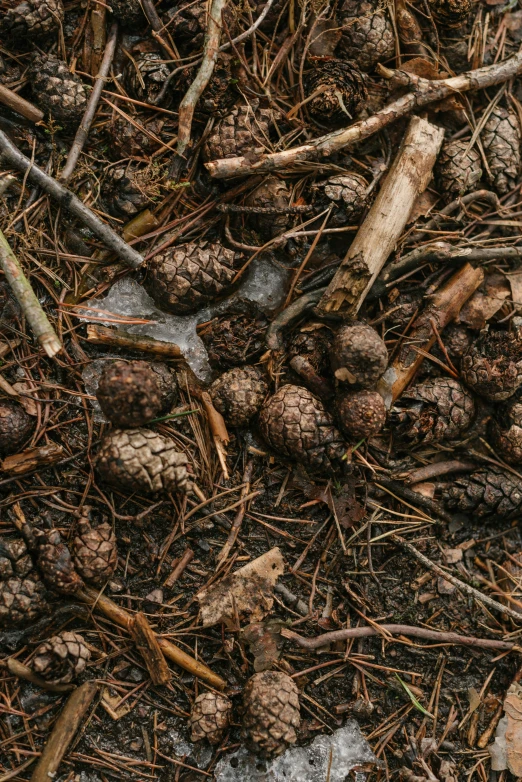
129,14
15,560
313,346
29,19
57,91
94,551
55,563
210,717
358,355
458,169
140,460
188,21
129,141
501,140
125,191
295,424
15,427
505,431
188,276
341,91
361,414
145,75
439,409
348,195
219,95
488,493
21,600
232,341
272,193
451,13
457,339
132,393
239,394
245,130
492,366
367,33
271,713
62,658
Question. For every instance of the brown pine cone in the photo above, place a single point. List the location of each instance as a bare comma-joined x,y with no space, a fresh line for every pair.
218,96
367,33
29,19
188,276
95,552
238,394
439,409
129,141
55,563
62,658
501,139
22,599
313,344
15,559
234,340
210,717
347,193
271,713
143,461
341,91
272,193
15,427
488,493
358,355
451,13
295,424
129,14
361,414
492,366
126,191
458,169
245,130
132,393
505,431
57,91
145,75
188,21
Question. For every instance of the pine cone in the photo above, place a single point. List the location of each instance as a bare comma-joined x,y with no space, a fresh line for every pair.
492,366
439,409
57,91
487,493
458,170
126,191
271,713
210,717
361,414
62,658
15,427
347,193
94,551
505,431
341,91
188,21
129,14
188,276
272,193
451,13
245,130
144,76
358,355
29,19
55,563
367,33
295,423
501,141
132,393
239,394
219,95
21,600
313,345
129,141
140,460
15,559
234,340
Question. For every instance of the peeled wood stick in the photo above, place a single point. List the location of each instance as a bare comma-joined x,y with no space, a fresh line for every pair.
26,297
122,618
101,335
11,155
83,131
423,92
13,101
32,458
64,731
149,648
405,181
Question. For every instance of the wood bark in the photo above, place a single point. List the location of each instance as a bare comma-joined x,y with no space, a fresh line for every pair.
149,648
406,180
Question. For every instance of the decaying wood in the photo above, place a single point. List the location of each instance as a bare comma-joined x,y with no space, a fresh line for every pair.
64,731
149,648
423,92
406,180
101,335
32,458
15,102
22,671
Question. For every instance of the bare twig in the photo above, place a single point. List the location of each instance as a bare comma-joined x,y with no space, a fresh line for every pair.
149,648
436,469
179,567
22,671
101,335
236,524
13,101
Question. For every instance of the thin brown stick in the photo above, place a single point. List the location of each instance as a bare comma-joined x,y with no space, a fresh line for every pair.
16,668
218,428
436,469
13,101
179,567
422,93
101,335
64,731
83,131
149,648
240,515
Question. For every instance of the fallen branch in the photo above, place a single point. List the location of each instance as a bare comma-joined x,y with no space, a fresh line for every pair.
13,101
149,648
101,335
11,155
407,178
24,294
423,92
83,131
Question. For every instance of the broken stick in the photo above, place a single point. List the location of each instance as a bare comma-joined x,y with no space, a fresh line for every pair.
149,648
101,335
13,101
406,180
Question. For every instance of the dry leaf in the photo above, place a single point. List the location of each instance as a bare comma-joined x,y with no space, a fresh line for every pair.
506,750
486,301
265,642
423,68
343,504
246,592
423,205
325,36
28,404
110,704
515,282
